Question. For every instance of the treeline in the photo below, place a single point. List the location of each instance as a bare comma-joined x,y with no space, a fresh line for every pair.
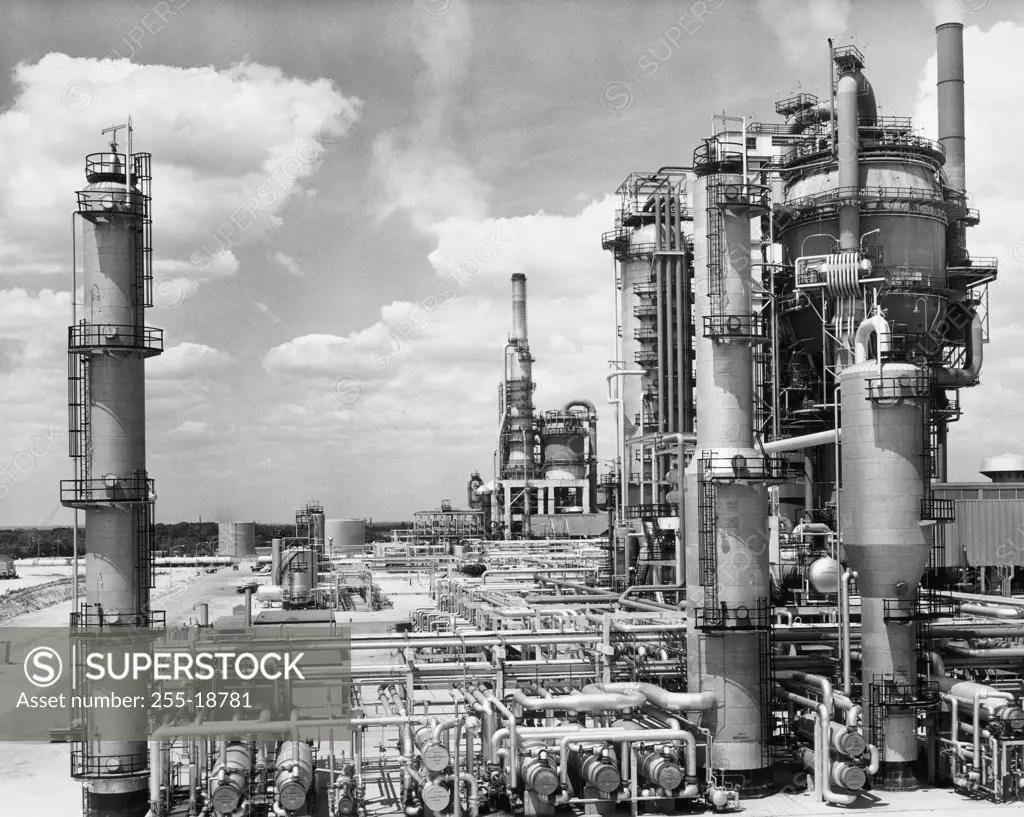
177,539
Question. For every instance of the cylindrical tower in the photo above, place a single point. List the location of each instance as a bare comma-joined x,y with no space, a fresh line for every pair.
317,520
883,488
108,344
518,430
950,89
728,579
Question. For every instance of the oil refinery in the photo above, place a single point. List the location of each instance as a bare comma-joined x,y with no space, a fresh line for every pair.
756,601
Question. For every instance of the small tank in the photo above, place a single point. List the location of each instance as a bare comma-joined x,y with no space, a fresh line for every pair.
294,773
298,577
824,575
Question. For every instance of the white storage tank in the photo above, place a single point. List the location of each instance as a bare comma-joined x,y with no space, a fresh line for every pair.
236,539
349,536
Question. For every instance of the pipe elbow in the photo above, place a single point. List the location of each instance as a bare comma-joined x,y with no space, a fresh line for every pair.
874,759
867,108
875,325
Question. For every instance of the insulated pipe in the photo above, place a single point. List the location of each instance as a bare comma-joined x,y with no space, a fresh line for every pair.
844,614
954,378
804,441
853,711
991,611
513,760
582,702
670,701
995,652
824,719
876,325
660,322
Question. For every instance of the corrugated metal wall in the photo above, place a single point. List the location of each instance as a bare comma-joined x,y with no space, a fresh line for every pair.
987,532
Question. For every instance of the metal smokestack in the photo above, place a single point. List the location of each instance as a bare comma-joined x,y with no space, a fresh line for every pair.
950,87
519,307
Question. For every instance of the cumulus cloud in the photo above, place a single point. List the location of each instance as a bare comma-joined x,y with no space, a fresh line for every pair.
264,309
187,360
417,165
291,266
425,374
230,148
191,428
797,23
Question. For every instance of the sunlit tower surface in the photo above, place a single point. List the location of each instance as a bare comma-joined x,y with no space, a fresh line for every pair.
108,343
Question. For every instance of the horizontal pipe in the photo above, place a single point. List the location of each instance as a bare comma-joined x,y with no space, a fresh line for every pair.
805,441
992,611
670,701
582,702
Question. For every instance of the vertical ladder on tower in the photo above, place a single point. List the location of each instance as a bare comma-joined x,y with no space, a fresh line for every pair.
707,511
142,178
716,293
79,426
146,572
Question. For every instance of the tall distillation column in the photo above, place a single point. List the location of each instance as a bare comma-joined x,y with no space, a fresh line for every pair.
883,488
107,346
728,585
518,424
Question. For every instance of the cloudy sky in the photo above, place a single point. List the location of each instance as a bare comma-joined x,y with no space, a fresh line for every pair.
321,169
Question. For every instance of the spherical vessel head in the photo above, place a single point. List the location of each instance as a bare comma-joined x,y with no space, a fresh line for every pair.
824,575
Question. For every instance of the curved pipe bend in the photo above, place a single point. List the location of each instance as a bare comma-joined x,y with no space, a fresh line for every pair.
875,325
955,378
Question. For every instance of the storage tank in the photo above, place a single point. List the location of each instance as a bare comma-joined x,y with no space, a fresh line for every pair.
349,535
236,539
563,446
